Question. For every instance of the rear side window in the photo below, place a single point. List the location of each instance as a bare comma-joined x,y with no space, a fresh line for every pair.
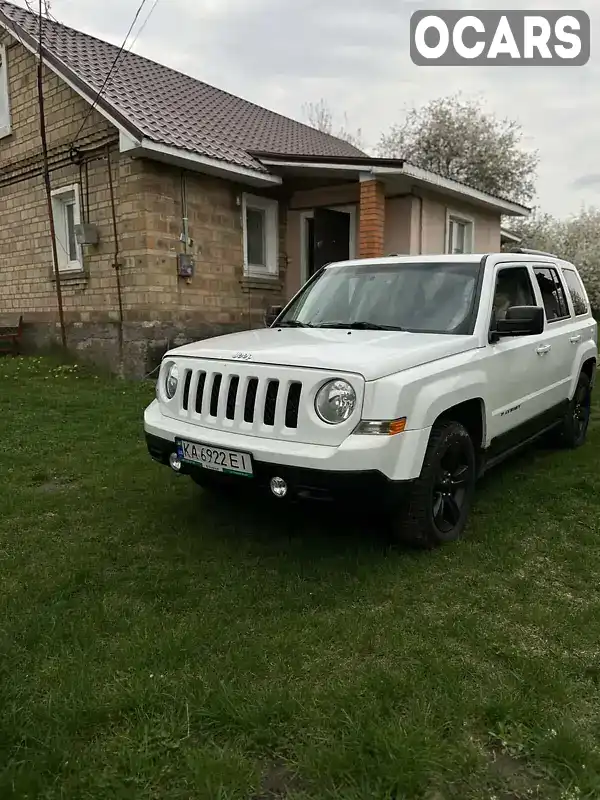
553,293
576,291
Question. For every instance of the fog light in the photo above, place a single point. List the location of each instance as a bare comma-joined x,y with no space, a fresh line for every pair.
175,462
279,487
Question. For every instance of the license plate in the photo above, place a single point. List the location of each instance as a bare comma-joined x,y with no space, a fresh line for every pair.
215,458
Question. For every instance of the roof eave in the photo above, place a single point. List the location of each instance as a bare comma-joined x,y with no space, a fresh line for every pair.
364,168
509,236
449,186
196,162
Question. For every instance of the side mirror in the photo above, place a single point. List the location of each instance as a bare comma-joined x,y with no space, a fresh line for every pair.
521,321
271,315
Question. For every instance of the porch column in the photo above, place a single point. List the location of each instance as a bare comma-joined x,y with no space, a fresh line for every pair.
372,218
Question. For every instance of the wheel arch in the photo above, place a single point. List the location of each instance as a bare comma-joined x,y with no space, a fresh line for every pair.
587,365
471,415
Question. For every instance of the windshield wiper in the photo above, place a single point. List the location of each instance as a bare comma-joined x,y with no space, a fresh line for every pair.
359,325
294,323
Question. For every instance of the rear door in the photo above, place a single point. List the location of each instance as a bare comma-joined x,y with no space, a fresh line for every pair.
560,326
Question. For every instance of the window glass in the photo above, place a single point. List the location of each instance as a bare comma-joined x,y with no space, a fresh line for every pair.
459,236
431,297
4,98
255,231
553,295
70,220
576,291
513,288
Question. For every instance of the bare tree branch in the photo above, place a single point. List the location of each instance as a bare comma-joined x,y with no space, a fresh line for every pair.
320,116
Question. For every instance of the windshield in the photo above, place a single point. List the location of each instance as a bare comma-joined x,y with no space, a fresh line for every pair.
416,297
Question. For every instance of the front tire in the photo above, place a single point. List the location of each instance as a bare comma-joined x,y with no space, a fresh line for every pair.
437,506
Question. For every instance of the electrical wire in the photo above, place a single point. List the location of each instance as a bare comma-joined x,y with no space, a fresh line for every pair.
143,25
110,71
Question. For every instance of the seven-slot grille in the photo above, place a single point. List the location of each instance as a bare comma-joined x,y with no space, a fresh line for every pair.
241,398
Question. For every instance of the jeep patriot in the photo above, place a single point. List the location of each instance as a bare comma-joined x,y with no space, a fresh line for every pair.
403,376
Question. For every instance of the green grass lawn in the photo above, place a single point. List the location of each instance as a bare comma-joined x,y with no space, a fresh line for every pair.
158,643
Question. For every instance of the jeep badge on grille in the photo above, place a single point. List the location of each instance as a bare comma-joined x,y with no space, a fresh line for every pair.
243,356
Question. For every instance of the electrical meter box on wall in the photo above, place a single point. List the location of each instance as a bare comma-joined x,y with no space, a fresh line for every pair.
185,265
86,233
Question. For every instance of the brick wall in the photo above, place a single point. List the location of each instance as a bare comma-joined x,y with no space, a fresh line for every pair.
159,309
372,219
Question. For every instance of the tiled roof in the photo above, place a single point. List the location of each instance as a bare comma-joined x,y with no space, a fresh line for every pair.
175,109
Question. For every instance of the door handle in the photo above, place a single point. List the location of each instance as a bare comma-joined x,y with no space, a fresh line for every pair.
543,349
575,339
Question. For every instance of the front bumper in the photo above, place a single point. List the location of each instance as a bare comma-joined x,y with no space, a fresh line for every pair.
303,483
396,458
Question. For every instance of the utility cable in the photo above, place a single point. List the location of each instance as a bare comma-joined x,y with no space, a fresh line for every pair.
142,26
110,72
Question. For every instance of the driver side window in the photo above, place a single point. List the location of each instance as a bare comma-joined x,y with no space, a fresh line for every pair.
513,288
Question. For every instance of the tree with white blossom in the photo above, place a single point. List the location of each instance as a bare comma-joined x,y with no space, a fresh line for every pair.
456,138
453,137
576,239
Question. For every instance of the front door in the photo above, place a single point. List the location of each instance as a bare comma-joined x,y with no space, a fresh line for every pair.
331,237
520,367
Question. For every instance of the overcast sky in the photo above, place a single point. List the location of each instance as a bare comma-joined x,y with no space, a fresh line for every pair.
355,54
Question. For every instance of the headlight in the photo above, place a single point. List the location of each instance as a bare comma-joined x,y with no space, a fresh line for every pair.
335,402
171,381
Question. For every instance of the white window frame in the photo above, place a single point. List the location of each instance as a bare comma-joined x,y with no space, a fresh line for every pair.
62,197
5,125
271,209
350,209
461,219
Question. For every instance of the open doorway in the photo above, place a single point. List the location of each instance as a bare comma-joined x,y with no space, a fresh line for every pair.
327,234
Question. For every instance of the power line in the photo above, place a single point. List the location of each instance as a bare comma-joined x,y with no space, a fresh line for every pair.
143,25
114,64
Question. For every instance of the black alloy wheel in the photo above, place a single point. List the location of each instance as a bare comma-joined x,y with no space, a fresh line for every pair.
436,508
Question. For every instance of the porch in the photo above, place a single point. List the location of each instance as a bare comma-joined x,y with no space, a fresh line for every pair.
368,208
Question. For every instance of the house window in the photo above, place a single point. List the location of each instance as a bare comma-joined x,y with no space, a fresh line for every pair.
460,235
5,127
261,235
65,205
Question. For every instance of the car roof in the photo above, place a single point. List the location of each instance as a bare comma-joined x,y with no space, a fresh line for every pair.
465,258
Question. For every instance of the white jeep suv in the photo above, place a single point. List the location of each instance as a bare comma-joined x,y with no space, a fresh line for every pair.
408,376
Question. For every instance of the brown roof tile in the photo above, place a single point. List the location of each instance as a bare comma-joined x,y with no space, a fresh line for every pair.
174,109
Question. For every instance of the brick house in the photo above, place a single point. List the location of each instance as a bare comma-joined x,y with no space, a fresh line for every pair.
182,211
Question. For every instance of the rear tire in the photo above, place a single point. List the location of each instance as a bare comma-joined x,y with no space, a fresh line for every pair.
574,428
438,503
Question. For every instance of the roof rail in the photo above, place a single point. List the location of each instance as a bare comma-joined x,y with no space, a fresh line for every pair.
528,252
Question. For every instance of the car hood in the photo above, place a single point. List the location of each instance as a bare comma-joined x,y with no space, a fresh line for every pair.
372,354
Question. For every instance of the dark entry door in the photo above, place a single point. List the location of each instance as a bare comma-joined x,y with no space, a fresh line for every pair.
331,234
